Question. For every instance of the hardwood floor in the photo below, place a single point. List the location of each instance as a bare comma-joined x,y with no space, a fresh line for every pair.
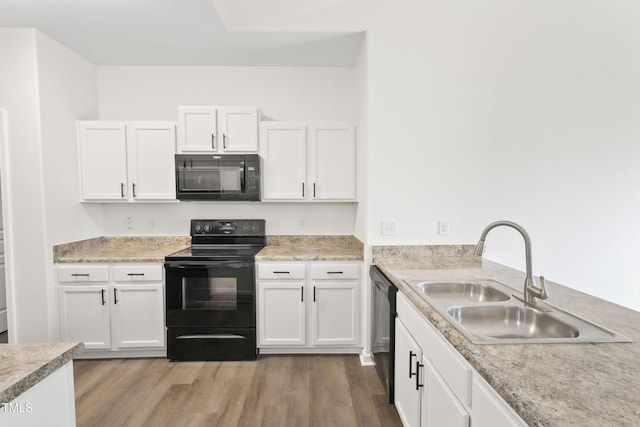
277,391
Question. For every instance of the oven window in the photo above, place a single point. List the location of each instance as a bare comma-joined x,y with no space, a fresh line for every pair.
209,293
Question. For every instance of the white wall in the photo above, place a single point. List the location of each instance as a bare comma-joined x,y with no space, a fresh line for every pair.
67,92
26,272
282,93
43,85
510,110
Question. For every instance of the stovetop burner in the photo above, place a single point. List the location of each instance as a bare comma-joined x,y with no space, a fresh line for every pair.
216,239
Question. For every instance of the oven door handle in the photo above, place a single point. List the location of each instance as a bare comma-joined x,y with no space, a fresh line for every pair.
229,263
210,336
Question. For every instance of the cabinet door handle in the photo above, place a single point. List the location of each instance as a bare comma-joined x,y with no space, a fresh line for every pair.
115,296
411,354
224,141
418,366
213,142
314,294
102,292
122,189
134,189
314,190
79,274
303,189
302,294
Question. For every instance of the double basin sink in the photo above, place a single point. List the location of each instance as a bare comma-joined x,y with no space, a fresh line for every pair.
489,312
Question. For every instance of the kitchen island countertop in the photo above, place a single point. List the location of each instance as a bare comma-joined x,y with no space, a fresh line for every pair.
24,365
546,384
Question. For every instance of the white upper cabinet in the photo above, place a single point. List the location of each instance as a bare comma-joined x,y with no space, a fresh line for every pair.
122,161
103,160
151,149
283,160
239,129
204,129
333,161
308,162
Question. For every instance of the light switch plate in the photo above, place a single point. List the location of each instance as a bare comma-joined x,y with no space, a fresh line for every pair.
389,228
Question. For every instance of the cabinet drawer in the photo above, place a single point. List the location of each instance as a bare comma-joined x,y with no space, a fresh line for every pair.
281,271
81,273
335,271
453,368
132,273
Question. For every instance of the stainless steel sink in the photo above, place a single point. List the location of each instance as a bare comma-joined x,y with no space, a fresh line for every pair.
490,312
461,292
510,322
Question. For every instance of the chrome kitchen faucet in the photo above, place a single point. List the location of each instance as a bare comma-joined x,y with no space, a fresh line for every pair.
531,291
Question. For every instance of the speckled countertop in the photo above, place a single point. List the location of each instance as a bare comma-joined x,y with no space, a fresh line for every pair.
24,365
155,248
312,248
120,249
546,384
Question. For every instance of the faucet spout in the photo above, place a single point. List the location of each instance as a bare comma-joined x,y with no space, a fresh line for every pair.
531,291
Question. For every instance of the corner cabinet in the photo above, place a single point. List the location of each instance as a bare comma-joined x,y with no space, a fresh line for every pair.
308,161
435,385
207,129
127,161
116,310
308,307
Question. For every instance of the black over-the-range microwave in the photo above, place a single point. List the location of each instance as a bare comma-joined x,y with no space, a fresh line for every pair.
218,177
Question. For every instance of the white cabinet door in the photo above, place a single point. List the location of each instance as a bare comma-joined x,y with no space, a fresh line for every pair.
138,315
407,397
283,150
333,161
440,407
151,161
103,160
197,129
84,315
335,313
238,129
281,313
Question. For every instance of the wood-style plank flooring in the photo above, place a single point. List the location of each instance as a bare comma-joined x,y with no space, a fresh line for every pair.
277,391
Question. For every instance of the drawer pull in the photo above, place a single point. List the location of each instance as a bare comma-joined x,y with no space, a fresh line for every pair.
79,274
335,272
135,274
281,272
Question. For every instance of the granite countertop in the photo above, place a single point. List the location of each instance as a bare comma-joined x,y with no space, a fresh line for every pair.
24,365
155,248
120,249
546,384
312,248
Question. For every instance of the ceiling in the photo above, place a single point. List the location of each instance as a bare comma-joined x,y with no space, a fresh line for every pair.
199,32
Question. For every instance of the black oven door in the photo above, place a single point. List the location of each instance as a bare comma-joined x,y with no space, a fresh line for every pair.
217,294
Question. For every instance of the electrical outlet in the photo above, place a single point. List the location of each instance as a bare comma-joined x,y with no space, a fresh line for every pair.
389,228
302,222
128,222
443,228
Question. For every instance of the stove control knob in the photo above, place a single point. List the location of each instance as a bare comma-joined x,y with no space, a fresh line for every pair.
255,227
198,228
207,228
247,226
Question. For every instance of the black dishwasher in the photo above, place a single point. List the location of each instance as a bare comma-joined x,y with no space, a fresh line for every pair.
383,316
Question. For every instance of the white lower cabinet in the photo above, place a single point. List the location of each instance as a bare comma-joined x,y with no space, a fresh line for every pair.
116,310
308,307
435,385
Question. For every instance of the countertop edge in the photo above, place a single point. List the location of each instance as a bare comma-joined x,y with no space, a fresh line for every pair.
41,373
